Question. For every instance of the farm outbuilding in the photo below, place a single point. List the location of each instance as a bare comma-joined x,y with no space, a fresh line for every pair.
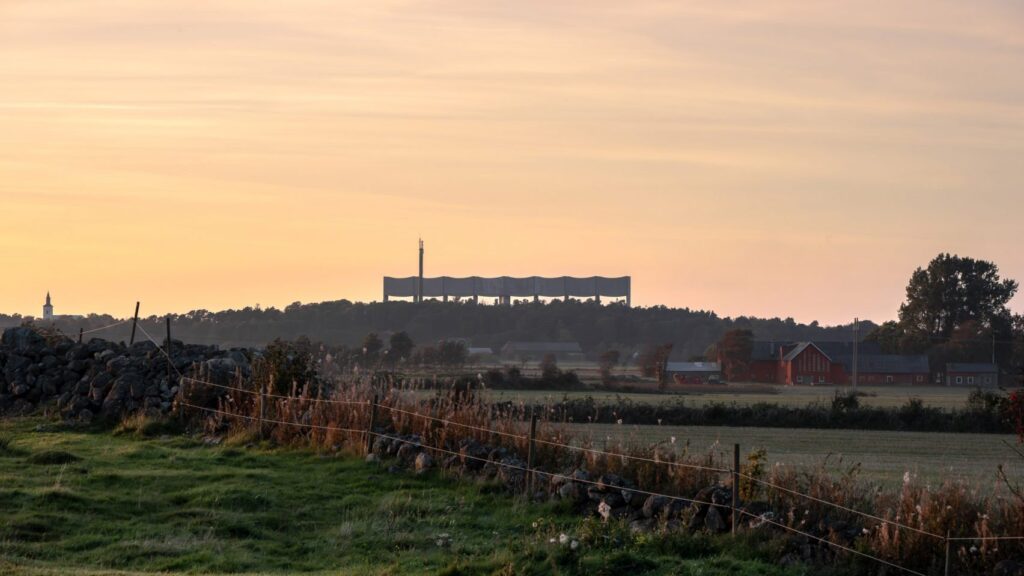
831,363
965,374
878,369
480,354
694,372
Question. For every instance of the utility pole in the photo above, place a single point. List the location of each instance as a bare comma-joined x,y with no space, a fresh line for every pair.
856,359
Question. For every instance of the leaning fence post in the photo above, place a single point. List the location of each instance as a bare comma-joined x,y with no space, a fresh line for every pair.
135,323
167,351
735,486
947,552
373,424
79,334
530,453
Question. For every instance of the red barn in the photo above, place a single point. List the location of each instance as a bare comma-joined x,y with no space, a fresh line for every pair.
806,364
823,363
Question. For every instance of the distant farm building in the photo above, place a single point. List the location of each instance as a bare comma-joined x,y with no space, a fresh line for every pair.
480,354
831,363
526,351
694,372
892,369
960,374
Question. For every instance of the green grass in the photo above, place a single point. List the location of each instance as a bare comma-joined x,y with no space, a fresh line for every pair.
883,456
94,502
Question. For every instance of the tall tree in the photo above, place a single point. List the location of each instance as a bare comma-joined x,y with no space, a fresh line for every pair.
372,346
452,353
953,291
549,367
734,352
608,360
400,347
654,363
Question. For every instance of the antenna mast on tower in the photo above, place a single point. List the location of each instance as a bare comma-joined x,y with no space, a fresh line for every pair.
419,284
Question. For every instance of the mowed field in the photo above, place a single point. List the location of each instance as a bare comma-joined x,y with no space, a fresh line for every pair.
883,456
747,394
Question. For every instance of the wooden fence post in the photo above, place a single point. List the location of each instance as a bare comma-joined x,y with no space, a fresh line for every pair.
167,351
530,454
135,323
947,553
263,405
79,334
735,486
373,424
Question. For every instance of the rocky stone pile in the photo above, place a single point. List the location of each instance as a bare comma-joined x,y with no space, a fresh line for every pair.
101,378
608,496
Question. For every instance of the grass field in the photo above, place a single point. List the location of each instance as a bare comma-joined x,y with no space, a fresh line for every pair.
884,457
888,396
78,502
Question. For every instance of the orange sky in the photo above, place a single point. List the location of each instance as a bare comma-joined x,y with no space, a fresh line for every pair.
798,160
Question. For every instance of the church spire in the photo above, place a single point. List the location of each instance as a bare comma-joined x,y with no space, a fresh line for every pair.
48,308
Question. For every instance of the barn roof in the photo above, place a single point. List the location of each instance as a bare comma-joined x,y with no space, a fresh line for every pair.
800,349
892,364
769,350
972,367
763,350
693,367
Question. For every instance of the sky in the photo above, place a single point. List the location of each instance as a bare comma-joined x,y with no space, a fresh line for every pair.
792,159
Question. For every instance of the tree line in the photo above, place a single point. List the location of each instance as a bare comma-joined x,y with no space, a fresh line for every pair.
596,327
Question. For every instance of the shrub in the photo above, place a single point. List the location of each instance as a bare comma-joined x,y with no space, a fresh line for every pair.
141,425
5,446
53,457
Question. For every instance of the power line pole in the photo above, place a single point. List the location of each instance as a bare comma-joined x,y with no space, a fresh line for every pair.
856,343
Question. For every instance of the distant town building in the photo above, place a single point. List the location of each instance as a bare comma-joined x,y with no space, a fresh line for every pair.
965,374
48,308
538,350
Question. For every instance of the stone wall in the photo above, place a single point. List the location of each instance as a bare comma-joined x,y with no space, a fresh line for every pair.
101,378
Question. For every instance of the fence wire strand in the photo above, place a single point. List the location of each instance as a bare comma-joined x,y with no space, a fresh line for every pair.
829,542
527,471
839,506
568,447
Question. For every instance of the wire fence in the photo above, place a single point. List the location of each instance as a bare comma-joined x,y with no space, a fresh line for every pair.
532,471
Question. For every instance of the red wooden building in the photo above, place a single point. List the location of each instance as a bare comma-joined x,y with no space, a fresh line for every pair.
961,374
824,363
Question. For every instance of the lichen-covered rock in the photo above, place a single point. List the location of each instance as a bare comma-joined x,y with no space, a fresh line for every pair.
424,462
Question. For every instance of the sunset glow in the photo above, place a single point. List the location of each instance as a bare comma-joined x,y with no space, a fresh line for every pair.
794,160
